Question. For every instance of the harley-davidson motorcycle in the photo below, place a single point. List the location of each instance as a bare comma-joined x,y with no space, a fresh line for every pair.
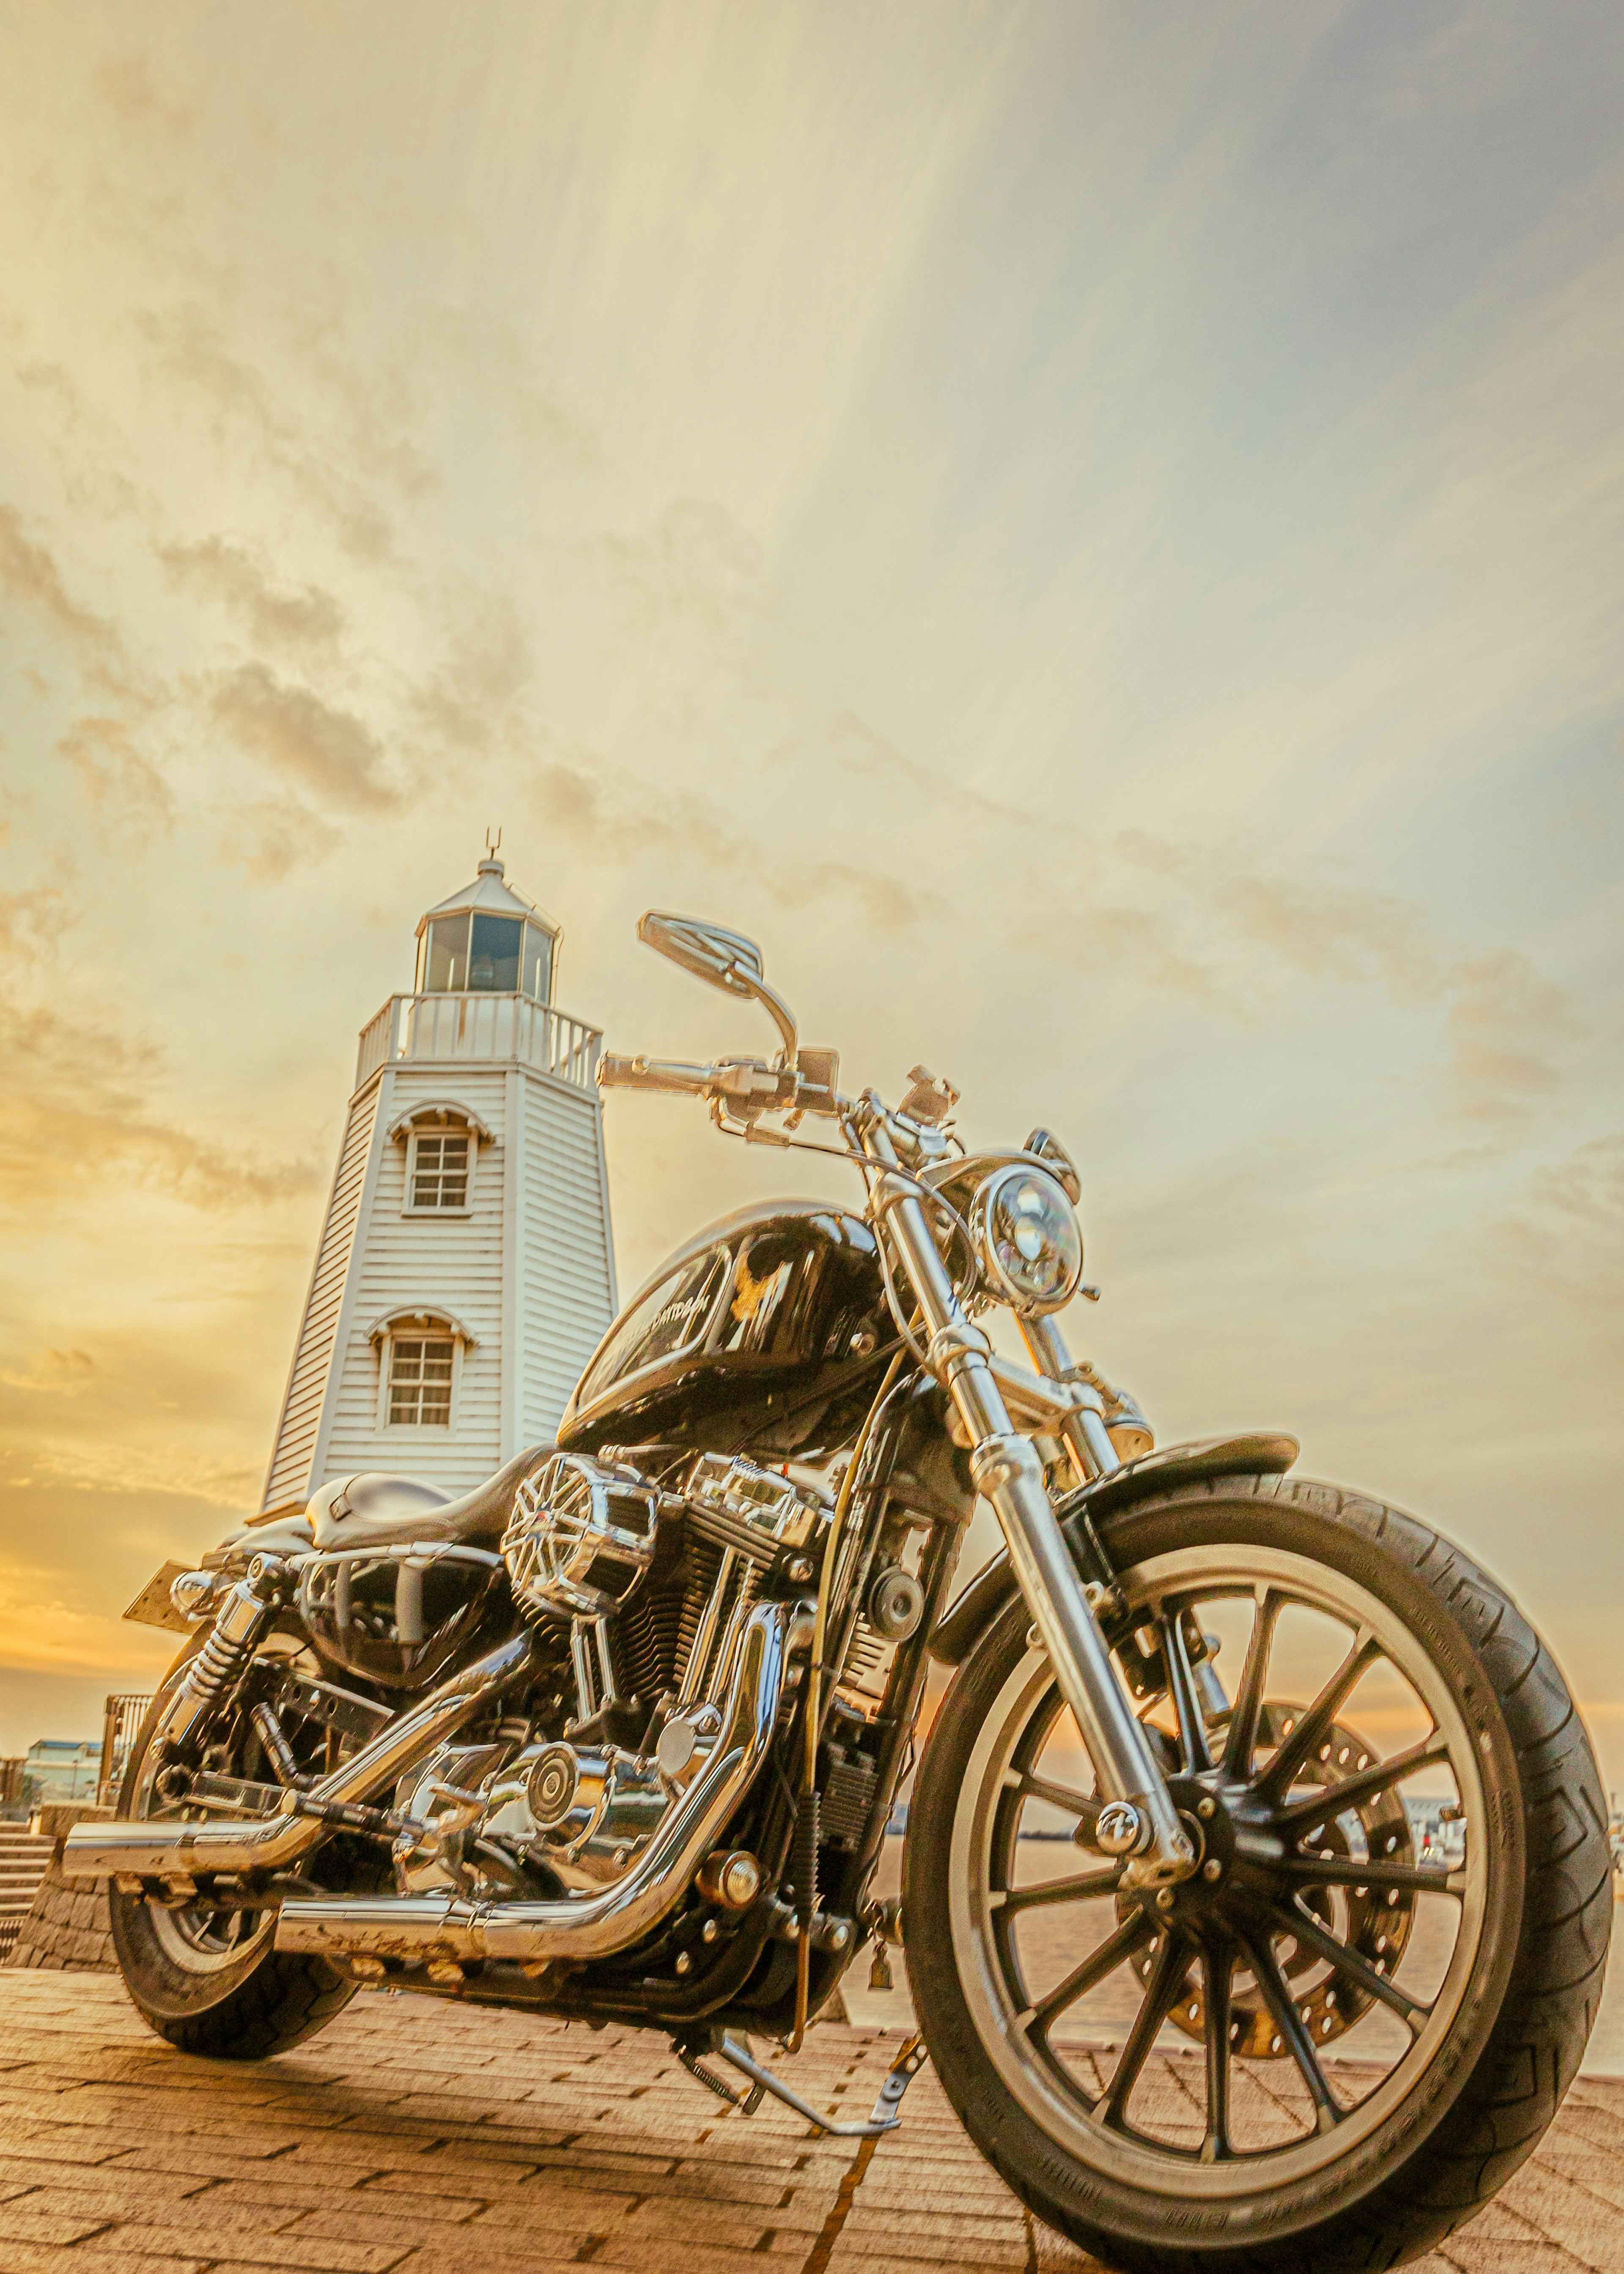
1256,1894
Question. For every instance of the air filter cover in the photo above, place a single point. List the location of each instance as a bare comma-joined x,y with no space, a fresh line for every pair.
580,1537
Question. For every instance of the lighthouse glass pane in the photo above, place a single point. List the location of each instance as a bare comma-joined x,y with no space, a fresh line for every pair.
446,972
494,955
420,1381
538,963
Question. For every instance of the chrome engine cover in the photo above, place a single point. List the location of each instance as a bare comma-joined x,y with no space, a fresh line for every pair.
653,1661
580,1537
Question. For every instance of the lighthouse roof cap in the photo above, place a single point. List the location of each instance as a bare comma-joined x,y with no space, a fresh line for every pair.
491,895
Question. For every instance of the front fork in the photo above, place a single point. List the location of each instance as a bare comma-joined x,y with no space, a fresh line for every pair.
1008,1472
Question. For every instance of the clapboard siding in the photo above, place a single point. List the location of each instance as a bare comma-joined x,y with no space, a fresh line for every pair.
567,1285
528,1272
452,1263
288,1480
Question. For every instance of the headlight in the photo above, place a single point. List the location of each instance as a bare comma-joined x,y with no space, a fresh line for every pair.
1028,1238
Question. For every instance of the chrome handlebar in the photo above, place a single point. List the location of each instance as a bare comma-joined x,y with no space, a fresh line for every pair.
617,1073
747,1087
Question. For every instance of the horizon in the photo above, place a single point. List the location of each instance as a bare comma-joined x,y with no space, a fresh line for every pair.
1100,549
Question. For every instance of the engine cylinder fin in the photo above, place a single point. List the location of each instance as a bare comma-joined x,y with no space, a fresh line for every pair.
647,1642
704,1561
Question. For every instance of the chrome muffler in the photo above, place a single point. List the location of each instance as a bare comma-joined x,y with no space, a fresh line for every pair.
421,1930
161,1850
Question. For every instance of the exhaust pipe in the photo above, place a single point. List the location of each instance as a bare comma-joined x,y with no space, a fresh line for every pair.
414,1930
162,1851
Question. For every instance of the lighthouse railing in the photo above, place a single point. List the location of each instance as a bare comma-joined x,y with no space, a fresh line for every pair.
426,1029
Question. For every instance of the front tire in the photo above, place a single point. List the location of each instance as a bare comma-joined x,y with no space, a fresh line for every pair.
208,1980
1375,2032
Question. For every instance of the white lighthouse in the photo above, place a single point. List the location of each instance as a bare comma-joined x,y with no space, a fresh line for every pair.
465,1270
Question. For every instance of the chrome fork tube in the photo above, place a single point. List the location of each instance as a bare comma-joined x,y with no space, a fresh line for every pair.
1008,1472
1086,1438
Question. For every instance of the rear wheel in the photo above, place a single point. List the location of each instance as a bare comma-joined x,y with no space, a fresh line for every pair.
209,1980
1339,2038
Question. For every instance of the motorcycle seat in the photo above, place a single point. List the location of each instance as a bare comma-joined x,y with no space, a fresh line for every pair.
374,1509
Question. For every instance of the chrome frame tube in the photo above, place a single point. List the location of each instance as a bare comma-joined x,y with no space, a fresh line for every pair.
416,1929
1008,1472
158,1851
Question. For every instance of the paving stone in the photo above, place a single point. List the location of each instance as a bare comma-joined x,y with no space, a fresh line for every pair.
21,2222
91,2258
412,2139
265,2248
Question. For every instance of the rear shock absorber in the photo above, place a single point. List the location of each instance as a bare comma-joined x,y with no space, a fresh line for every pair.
239,1627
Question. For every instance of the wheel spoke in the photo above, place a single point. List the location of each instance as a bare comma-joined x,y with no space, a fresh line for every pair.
1131,1935
1276,1993
1161,1995
1083,1805
1011,1900
1217,1971
1331,1799
1181,1688
1348,1872
1242,1735
1292,1919
1317,1719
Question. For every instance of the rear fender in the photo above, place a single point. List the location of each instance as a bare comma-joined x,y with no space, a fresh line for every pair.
976,1606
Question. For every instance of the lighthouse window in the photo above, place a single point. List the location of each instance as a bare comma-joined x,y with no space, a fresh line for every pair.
538,963
445,966
420,1381
494,955
439,1169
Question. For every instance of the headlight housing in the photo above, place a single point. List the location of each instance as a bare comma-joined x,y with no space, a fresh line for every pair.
1027,1239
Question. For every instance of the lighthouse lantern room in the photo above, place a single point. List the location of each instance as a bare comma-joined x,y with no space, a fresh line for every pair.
465,1270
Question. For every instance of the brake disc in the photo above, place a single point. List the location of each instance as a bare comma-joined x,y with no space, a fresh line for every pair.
1374,1922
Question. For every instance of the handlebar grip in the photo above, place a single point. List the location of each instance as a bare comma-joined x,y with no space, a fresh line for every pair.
615,1072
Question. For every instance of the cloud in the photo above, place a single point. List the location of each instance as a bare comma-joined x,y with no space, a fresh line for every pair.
77,1112
468,704
89,448
350,456
125,84
31,576
1587,1188
30,921
240,581
54,1373
270,838
295,734
1569,1229
120,785
1317,929
1506,1023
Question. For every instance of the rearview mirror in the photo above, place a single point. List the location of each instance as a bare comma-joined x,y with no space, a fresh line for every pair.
726,959
722,958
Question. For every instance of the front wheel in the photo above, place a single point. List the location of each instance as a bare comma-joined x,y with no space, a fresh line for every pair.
1333,2043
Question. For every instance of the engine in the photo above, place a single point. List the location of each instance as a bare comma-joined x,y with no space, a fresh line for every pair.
646,1587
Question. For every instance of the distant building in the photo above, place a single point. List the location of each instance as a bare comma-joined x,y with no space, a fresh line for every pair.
465,1270
60,1768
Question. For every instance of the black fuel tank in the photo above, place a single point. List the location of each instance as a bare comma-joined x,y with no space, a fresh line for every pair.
776,1295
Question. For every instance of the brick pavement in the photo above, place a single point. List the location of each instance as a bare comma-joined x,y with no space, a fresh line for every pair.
417,2139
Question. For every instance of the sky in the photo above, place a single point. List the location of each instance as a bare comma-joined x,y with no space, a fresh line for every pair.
1093,533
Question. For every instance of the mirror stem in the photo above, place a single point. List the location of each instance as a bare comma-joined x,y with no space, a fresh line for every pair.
777,1009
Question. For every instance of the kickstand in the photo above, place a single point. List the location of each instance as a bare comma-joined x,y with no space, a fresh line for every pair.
887,2108
746,2102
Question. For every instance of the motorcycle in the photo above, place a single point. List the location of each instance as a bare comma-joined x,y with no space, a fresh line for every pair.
1288,1969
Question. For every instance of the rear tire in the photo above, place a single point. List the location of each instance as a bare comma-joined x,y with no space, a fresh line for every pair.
1389,2168
212,1981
